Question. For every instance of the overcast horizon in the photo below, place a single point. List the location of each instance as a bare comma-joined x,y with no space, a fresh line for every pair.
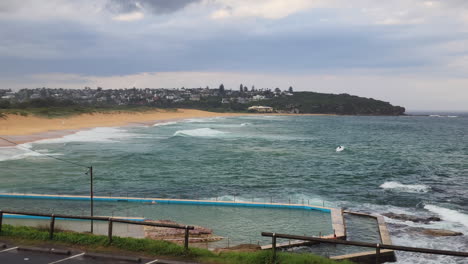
412,53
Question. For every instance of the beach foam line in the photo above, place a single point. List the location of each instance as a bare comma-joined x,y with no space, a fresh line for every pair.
167,201
412,188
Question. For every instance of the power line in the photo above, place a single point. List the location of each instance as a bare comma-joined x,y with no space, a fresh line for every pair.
50,156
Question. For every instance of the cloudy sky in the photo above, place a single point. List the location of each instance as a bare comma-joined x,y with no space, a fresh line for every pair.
412,53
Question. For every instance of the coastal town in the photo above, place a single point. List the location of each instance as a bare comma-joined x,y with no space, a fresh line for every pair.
144,96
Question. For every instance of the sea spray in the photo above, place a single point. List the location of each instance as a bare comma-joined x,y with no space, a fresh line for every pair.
397,186
448,214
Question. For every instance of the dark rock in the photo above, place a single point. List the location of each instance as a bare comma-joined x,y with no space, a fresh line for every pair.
412,218
434,232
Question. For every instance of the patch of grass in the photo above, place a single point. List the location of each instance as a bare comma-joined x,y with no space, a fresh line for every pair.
151,247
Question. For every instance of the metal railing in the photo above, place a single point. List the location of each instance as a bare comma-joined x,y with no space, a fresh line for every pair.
377,246
110,221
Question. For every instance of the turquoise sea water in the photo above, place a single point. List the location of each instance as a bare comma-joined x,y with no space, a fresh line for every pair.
408,164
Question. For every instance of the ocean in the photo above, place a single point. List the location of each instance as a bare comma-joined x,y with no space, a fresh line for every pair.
415,165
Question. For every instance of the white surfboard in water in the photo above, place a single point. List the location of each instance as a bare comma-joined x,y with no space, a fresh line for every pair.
340,148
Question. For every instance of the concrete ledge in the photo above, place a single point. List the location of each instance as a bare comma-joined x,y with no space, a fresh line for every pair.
45,250
368,257
338,223
167,201
112,257
14,216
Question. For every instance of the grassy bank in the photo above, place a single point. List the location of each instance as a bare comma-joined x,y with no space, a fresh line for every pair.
150,247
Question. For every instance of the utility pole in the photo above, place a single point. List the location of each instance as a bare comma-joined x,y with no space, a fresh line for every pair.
91,196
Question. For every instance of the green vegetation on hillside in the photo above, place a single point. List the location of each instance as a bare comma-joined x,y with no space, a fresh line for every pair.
297,102
150,247
342,104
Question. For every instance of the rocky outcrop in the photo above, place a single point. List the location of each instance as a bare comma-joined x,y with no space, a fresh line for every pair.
434,232
199,234
405,217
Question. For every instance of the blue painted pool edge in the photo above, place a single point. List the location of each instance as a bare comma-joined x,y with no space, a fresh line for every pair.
59,218
169,201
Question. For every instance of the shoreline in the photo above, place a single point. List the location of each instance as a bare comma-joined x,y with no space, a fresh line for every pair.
25,129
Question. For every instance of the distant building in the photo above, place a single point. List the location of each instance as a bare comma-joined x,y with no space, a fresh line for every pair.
195,97
261,109
258,97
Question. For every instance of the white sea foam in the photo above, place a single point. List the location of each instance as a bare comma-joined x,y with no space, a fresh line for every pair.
412,188
245,124
99,134
200,120
164,124
21,152
448,214
200,132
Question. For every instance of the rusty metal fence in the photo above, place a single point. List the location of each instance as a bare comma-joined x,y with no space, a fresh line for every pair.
377,247
110,221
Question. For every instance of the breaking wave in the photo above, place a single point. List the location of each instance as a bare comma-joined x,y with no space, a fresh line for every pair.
397,186
21,152
99,134
200,132
448,214
164,124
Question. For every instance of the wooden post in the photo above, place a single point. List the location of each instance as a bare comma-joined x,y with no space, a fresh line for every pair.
91,197
377,254
186,241
273,247
52,225
1,220
109,231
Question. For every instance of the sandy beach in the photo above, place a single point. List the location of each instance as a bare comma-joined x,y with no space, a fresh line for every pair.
22,129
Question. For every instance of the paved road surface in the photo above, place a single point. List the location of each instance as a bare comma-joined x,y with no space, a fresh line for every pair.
14,255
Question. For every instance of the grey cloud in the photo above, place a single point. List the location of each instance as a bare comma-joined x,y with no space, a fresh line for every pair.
153,6
8,6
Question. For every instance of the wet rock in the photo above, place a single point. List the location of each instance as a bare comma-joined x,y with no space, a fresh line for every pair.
405,217
441,232
433,232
